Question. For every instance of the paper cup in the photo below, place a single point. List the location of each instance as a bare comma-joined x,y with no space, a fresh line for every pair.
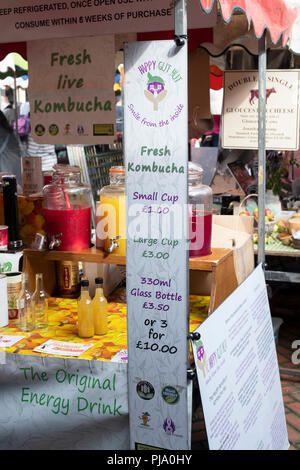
3,297
3,237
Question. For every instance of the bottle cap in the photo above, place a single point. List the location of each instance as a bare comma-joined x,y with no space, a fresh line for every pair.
99,280
85,282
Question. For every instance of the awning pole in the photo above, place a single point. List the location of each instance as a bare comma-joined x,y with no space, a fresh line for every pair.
180,22
262,69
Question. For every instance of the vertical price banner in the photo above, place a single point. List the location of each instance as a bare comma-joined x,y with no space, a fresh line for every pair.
156,155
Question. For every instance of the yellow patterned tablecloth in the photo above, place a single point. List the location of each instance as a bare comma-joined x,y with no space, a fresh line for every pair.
62,326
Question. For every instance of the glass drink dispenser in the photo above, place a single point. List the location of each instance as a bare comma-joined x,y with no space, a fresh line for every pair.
200,213
67,210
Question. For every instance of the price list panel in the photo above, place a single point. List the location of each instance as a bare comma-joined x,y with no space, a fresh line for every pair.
157,250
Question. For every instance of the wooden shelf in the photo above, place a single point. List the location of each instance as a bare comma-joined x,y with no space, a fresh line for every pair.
91,255
212,275
94,255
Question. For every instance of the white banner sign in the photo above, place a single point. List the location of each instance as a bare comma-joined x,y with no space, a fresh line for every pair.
24,21
62,404
157,261
240,110
238,372
71,90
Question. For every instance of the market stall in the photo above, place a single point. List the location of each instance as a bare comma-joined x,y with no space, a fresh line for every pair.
41,371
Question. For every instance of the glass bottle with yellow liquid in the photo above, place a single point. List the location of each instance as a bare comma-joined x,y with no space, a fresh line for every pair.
85,312
99,305
111,228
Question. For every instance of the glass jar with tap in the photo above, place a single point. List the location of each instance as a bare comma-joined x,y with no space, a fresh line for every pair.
67,210
200,213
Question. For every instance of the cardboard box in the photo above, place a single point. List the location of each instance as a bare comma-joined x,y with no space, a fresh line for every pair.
235,232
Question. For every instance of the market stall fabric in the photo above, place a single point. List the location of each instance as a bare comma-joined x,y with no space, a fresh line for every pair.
278,16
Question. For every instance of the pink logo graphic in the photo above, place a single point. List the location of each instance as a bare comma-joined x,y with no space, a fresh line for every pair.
254,94
155,90
200,353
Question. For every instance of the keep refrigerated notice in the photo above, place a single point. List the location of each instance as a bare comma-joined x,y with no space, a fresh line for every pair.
31,20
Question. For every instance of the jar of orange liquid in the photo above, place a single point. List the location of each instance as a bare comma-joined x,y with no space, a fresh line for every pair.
111,214
85,312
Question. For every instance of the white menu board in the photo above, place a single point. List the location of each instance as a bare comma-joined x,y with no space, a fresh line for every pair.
240,110
156,256
238,372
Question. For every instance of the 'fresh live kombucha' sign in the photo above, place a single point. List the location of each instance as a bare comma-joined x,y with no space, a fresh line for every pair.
156,256
240,110
70,90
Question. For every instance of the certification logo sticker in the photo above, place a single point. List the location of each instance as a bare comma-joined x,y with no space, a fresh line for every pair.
67,129
169,426
145,390
170,395
53,129
145,418
39,130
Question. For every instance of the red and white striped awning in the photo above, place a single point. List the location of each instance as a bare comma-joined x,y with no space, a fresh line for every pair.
280,17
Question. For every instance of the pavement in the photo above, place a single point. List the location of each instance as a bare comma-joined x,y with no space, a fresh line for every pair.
284,304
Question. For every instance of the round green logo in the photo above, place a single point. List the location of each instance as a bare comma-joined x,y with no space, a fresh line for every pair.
53,129
170,395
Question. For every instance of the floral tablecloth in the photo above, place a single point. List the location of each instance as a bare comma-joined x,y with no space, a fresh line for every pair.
63,327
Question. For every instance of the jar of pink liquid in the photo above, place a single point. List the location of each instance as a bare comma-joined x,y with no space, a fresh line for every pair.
67,210
200,213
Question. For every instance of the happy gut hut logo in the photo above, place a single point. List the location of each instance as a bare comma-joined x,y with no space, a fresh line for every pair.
205,361
159,83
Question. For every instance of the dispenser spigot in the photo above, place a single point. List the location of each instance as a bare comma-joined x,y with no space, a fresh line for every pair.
55,242
113,244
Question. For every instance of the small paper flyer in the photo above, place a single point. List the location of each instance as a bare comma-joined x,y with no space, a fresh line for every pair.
61,348
121,356
7,341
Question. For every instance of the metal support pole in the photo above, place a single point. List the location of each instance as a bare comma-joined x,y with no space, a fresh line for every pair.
262,69
180,22
180,37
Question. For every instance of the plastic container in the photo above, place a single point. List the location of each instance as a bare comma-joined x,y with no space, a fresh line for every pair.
111,224
200,213
67,210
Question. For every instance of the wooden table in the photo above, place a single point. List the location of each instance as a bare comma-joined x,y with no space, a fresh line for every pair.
212,275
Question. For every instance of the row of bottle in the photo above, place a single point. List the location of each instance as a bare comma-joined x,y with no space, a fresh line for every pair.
92,314
32,308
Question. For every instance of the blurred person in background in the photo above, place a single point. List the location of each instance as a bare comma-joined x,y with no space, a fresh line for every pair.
10,151
45,151
8,108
